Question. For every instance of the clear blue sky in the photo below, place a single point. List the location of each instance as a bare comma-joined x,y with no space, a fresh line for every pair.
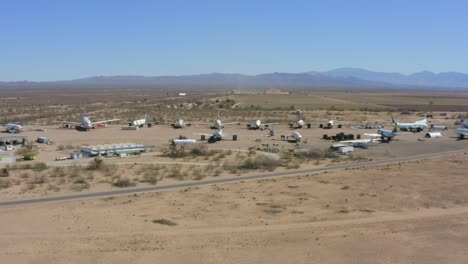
66,39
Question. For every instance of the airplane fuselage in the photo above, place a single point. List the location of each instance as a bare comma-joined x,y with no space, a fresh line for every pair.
178,124
13,128
86,123
464,124
412,125
217,125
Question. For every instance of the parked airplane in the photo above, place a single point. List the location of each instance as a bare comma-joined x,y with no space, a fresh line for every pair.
217,135
436,127
330,124
180,124
462,122
294,137
139,122
85,123
218,124
258,125
300,124
385,135
461,132
416,126
13,128
363,143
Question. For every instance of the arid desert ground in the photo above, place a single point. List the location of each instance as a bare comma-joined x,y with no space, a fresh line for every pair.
413,212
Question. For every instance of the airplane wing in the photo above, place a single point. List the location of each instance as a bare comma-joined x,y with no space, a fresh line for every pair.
68,122
373,135
105,121
231,123
204,134
230,134
356,141
204,124
367,140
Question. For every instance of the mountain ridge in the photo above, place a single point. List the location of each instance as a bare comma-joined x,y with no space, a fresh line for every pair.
345,77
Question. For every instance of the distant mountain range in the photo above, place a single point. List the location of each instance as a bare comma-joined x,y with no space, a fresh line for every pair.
342,78
424,78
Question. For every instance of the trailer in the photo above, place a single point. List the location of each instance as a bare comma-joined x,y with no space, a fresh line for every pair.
345,150
433,135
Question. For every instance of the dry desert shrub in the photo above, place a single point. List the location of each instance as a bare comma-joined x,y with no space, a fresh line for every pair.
260,162
79,184
123,183
53,188
151,178
5,183
4,172
163,221
96,164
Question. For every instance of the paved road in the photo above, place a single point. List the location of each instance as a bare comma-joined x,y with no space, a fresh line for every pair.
223,180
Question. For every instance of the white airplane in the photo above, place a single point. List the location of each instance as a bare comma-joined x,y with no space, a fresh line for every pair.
294,137
258,125
180,124
85,123
139,122
329,125
300,124
218,124
385,135
461,132
217,135
416,126
13,128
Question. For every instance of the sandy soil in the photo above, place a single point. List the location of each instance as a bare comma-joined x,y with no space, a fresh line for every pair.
414,212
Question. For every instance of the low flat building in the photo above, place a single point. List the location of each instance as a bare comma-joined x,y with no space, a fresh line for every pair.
112,150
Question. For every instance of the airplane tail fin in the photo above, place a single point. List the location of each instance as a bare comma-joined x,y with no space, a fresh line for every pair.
146,118
393,120
273,130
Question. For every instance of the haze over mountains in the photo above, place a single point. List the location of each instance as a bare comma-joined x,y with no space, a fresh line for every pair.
423,78
348,78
